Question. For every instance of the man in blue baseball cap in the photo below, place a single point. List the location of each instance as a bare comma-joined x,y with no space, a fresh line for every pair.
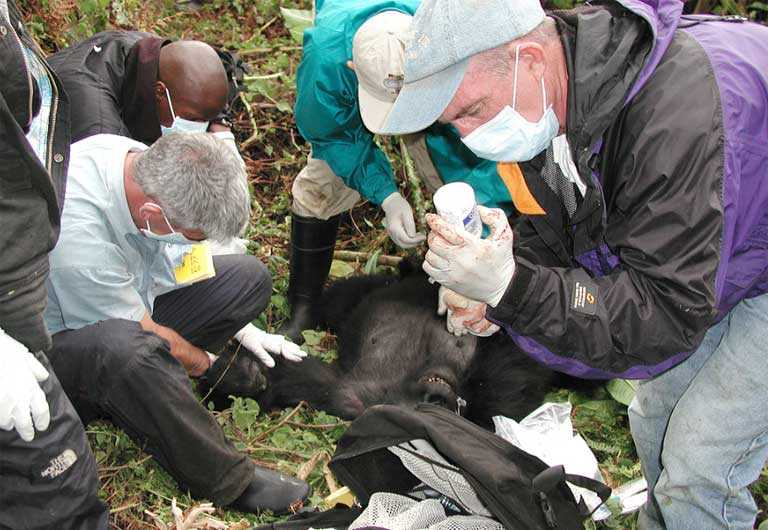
642,137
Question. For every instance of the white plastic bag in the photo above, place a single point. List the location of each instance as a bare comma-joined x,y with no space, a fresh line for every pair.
547,433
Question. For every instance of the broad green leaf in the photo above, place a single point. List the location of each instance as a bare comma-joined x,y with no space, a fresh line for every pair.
604,408
622,390
297,20
283,106
312,338
341,269
372,265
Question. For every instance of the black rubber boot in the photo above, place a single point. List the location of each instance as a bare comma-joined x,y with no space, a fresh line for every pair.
274,491
312,244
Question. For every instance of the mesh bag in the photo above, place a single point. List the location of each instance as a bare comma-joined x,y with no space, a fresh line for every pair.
429,466
395,512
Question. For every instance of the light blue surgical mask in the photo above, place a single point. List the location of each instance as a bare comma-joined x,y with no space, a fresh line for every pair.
174,238
508,137
180,124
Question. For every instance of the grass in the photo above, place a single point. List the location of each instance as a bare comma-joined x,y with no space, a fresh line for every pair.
300,440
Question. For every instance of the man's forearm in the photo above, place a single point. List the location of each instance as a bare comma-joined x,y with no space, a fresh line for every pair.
195,360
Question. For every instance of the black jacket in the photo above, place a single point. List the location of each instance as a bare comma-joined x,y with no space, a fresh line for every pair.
110,79
31,194
110,83
644,245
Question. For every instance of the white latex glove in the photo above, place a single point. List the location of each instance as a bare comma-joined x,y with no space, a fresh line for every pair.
464,315
479,269
399,222
262,344
23,405
233,245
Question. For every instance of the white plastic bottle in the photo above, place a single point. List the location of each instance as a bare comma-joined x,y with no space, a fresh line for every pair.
456,202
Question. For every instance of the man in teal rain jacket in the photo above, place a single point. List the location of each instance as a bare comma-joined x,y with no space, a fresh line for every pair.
355,49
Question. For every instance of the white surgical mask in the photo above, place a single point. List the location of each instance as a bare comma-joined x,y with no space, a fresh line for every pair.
508,137
180,124
174,238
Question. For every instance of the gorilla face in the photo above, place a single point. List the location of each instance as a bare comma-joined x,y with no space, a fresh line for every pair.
393,348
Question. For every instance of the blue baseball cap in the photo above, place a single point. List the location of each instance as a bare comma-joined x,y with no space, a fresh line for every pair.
443,36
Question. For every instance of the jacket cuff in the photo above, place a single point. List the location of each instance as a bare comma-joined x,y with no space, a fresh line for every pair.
381,193
515,296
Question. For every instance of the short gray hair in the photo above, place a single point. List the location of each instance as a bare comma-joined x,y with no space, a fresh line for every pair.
497,59
199,181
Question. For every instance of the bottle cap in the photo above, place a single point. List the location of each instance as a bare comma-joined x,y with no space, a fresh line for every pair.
455,202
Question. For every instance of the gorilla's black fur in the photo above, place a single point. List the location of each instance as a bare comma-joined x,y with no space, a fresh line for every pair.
394,348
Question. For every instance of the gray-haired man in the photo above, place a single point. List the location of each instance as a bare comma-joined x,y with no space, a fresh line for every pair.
128,328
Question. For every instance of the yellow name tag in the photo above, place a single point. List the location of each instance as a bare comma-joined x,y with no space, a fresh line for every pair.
197,265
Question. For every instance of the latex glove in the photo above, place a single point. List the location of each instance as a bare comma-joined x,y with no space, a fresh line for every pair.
261,344
233,245
23,405
479,269
464,315
399,222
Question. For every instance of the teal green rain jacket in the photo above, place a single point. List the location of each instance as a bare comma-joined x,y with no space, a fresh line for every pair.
327,112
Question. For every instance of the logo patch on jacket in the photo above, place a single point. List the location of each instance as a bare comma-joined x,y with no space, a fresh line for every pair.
584,295
59,464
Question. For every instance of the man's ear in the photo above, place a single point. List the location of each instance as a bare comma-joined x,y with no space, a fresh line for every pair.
160,89
161,95
161,99
149,210
532,56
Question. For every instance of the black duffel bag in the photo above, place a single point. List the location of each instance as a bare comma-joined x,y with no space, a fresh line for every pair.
517,488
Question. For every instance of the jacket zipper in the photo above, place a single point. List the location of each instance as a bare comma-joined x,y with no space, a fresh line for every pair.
54,114
54,108
30,86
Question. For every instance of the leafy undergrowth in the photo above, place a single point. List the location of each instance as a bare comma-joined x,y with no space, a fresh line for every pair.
298,441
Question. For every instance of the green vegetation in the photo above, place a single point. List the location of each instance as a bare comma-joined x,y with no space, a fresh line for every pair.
300,440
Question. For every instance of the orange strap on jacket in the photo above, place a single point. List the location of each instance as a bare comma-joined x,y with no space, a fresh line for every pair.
522,197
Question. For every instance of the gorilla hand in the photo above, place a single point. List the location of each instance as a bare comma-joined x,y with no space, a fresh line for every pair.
236,372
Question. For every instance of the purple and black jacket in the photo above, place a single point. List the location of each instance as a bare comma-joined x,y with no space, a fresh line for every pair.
668,124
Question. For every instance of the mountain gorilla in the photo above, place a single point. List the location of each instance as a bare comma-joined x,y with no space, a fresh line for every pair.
393,348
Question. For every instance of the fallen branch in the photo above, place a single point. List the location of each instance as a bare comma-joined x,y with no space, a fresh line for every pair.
197,519
254,51
414,184
352,255
255,134
308,466
282,422
316,425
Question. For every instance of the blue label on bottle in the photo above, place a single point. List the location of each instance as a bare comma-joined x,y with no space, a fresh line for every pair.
472,223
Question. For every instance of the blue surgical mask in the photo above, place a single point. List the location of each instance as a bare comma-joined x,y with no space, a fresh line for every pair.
180,124
174,238
508,137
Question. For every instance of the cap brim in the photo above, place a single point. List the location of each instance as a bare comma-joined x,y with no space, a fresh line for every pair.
420,103
373,110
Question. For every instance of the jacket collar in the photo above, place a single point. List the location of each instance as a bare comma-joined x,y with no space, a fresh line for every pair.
140,112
